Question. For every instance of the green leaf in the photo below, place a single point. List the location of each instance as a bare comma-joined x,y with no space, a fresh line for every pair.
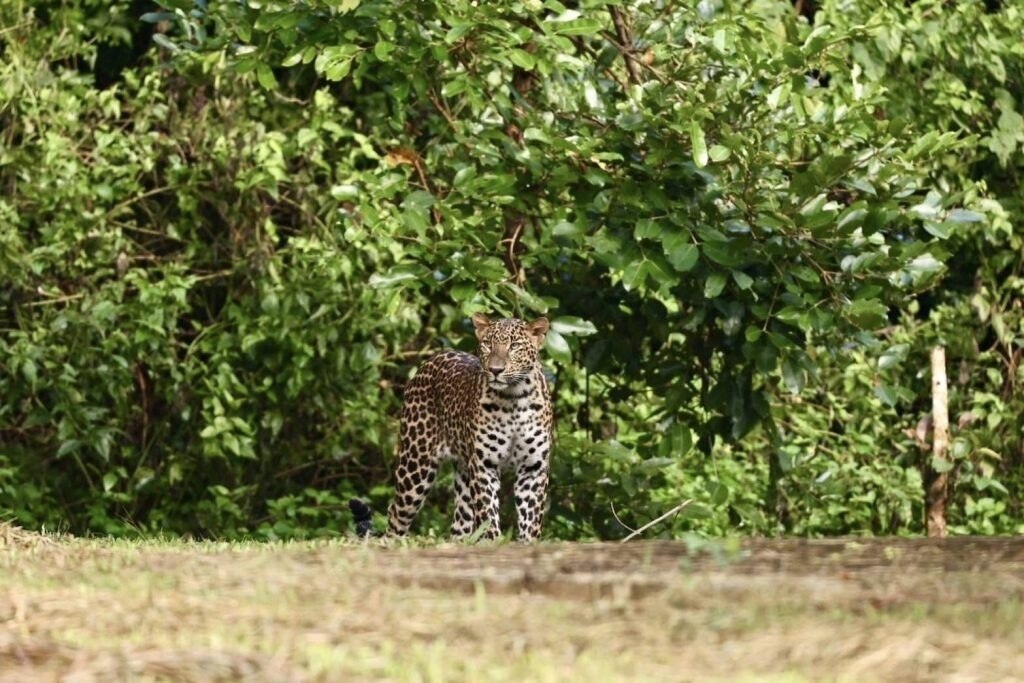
743,281
615,450
567,229
924,268
793,375
334,61
852,217
104,310
29,371
557,347
886,394
723,253
294,58
656,464
420,199
789,314
393,277
157,17
521,58
893,356
719,153
965,216
269,303
634,274
455,33
778,94
867,313
695,511
681,252
572,325
700,145
69,446
676,443
383,49
805,273
265,76
817,40
463,176
646,229
534,303
536,134
714,285
578,27
717,492
165,42
940,465
344,192
455,86
464,291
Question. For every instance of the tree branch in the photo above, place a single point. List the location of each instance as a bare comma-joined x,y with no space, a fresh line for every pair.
647,526
625,44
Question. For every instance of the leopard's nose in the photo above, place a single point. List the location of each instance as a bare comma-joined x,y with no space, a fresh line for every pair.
496,371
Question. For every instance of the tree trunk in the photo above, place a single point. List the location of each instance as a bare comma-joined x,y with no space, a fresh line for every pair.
938,468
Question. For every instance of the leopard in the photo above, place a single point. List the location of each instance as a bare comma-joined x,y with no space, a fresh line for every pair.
490,412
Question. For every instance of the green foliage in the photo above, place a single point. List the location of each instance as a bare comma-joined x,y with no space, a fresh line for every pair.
224,264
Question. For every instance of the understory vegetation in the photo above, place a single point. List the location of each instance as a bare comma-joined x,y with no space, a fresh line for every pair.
229,231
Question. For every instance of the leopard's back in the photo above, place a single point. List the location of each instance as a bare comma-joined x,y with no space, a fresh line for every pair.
442,402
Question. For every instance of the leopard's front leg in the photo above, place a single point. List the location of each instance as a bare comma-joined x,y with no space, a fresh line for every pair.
531,491
484,487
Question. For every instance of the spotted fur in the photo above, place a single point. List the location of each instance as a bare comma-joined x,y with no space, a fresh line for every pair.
489,412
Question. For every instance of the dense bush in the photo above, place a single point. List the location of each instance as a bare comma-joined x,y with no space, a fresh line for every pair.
230,242
964,61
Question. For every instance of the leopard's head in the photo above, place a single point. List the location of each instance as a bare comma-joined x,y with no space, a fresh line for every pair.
509,347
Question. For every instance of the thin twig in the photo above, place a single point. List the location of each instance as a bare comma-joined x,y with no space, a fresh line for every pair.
135,198
54,300
616,516
647,526
417,164
443,109
14,27
513,242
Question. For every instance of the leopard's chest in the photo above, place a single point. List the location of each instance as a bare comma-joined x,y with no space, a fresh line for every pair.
508,428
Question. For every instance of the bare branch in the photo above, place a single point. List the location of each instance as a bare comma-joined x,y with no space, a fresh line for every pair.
625,44
621,523
647,526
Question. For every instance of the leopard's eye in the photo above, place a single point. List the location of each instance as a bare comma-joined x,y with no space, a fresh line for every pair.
515,345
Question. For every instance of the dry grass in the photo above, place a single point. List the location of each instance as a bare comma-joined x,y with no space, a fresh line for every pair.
82,610
14,537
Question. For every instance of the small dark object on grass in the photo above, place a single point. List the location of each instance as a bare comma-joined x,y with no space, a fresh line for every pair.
363,516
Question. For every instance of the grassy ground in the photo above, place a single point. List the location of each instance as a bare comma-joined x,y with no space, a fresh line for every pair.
90,610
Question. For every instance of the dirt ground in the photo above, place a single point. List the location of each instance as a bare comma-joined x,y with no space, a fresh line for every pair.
776,610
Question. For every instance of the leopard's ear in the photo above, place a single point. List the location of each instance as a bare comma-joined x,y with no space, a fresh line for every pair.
538,328
481,323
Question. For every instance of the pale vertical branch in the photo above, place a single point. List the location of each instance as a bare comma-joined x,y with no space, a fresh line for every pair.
938,485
